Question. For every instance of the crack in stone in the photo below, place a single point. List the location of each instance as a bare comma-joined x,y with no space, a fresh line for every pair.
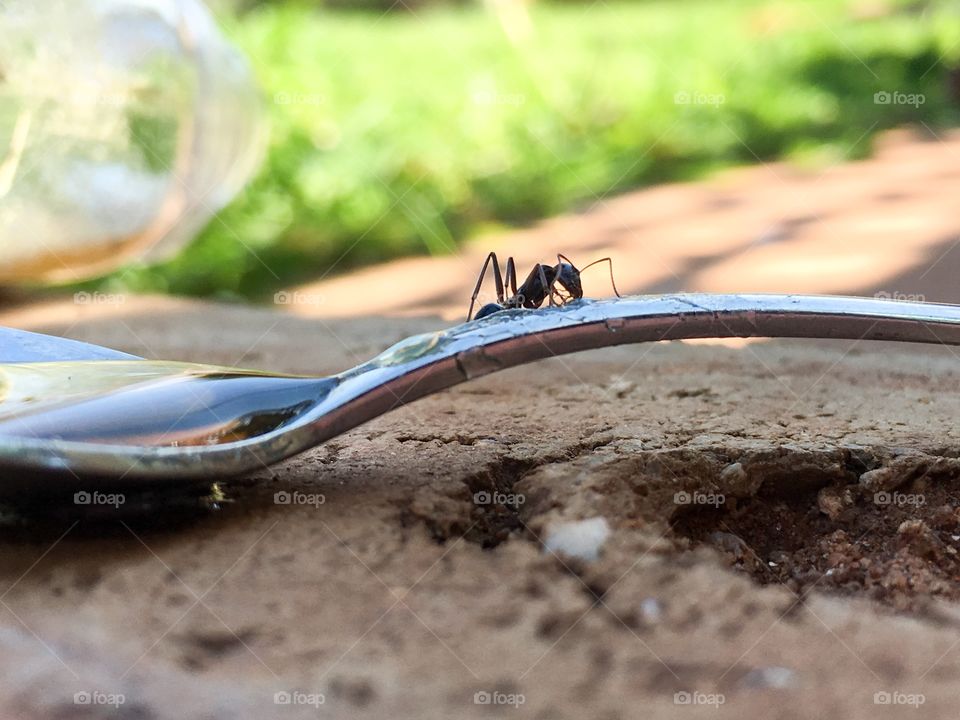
804,515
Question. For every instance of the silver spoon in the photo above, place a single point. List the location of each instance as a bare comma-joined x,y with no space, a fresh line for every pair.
73,414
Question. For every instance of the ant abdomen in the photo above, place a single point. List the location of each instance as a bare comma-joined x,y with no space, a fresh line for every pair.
488,309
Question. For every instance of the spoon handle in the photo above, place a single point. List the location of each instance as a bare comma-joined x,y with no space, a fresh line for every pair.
423,365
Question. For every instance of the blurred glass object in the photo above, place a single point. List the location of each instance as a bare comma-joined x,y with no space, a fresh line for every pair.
124,126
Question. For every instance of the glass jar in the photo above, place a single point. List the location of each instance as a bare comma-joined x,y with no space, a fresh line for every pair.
124,126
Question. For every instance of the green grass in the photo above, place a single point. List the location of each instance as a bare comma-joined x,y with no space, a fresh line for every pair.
411,133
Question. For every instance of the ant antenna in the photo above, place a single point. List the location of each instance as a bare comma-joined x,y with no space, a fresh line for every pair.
612,283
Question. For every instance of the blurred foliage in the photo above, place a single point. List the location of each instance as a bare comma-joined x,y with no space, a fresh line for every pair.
408,133
400,6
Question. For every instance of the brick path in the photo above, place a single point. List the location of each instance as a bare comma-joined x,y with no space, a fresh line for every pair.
888,224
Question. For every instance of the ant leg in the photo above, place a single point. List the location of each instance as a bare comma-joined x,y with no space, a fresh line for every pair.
547,286
612,283
498,281
561,258
511,276
510,279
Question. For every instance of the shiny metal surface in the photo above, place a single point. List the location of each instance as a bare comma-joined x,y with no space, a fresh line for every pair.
20,346
425,364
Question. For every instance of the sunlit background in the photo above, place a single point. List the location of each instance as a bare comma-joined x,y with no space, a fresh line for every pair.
444,129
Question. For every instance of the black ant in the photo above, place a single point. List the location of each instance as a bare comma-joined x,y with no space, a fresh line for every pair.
541,284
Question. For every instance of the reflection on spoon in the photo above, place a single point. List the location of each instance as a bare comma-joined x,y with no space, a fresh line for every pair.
157,404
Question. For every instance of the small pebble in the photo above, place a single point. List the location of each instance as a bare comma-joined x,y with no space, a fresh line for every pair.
581,539
651,609
770,677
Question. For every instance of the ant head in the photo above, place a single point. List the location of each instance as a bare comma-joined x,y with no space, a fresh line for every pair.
568,277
